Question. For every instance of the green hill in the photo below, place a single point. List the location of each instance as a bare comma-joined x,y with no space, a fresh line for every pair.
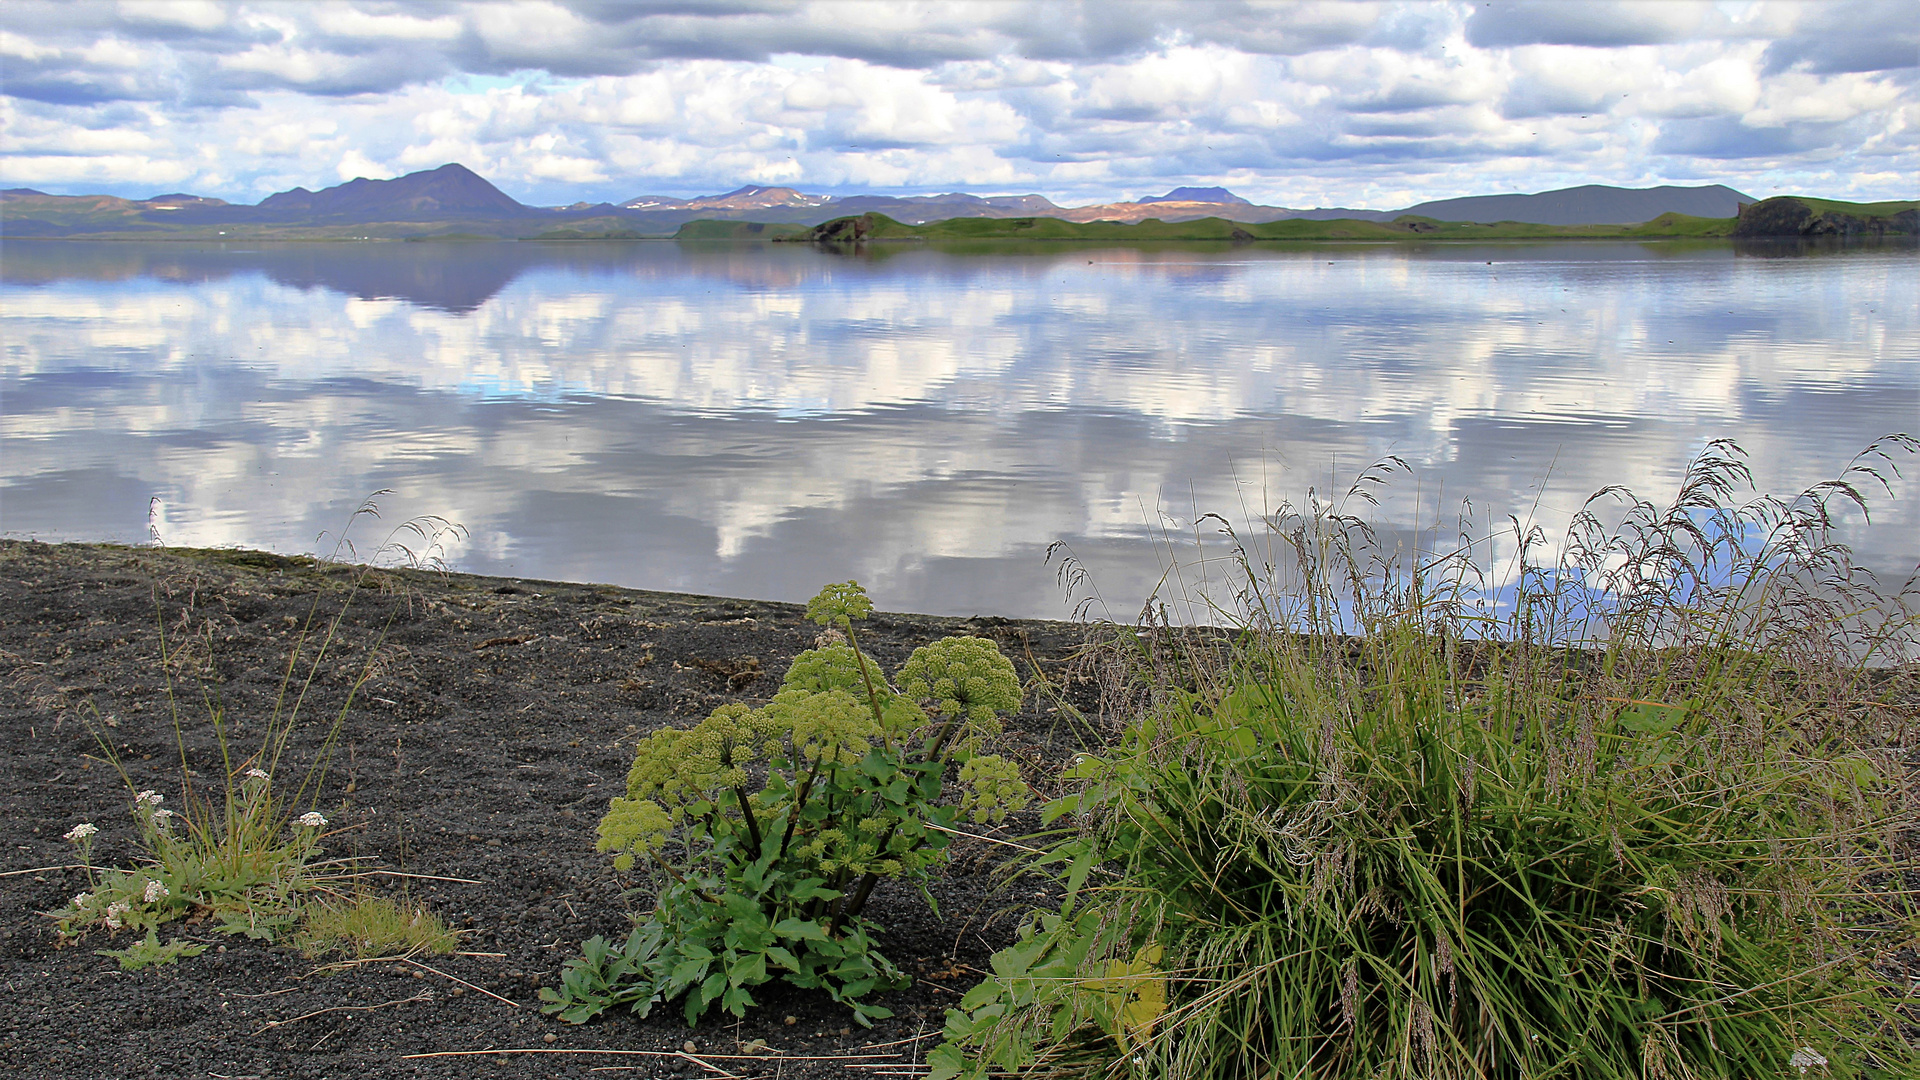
710,229
882,229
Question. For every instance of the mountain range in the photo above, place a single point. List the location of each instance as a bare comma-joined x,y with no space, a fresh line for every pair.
452,198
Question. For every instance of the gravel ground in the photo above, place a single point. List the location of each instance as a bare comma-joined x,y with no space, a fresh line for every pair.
500,718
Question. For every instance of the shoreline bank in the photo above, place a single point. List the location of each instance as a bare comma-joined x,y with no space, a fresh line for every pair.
498,717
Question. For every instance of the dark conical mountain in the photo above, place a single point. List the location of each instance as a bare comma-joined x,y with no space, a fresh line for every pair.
448,191
1197,194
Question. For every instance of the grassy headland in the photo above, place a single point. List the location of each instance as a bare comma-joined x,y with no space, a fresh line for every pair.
880,228
1772,217
31,214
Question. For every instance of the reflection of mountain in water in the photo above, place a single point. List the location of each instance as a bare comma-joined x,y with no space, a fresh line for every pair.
460,277
451,277
448,276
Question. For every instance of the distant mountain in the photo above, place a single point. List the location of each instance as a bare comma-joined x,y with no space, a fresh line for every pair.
1197,195
750,197
1591,204
919,209
453,199
779,205
448,191
181,198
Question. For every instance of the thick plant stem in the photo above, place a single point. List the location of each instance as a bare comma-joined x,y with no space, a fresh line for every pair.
858,901
873,697
799,804
940,740
753,826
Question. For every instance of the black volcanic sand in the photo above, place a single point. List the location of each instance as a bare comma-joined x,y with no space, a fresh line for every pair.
501,717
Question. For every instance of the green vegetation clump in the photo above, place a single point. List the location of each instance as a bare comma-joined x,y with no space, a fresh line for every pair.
1637,814
242,851
149,952
365,925
241,858
769,828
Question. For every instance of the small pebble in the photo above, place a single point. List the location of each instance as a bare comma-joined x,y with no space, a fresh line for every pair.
688,1046
792,1020
549,1037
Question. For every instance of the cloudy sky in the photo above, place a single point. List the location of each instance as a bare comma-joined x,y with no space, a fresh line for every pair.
1309,104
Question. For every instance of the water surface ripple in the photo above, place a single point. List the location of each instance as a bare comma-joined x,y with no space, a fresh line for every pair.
755,420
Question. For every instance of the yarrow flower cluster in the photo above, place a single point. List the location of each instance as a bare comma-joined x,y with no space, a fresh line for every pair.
156,891
148,799
114,912
256,774
311,820
81,832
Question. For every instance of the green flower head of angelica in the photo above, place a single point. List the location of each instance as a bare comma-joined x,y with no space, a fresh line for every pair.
963,677
831,728
837,667
676,766
836,604
633,827
993,789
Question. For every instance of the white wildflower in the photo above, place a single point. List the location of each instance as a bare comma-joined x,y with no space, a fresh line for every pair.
82,831
147,798
163,818
256,774
80,899
311,820
156,891
115,910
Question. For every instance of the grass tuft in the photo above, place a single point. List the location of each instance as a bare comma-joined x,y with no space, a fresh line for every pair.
1644,810
243,849
365,925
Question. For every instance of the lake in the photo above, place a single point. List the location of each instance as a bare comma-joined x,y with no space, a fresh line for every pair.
757,420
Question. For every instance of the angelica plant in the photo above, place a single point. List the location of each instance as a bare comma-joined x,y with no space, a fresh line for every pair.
769,828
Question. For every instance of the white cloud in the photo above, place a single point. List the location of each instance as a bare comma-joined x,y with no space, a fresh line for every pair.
1298,103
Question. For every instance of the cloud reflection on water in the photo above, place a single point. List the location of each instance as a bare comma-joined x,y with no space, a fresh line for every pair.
755,421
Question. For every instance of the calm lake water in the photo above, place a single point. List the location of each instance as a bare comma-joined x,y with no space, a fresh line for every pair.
756,420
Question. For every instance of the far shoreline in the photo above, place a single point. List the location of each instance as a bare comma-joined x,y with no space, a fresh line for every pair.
464,581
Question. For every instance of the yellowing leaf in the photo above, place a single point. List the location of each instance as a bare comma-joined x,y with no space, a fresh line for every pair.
1136,996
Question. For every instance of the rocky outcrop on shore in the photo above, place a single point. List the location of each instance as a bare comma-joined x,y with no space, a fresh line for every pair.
1789,217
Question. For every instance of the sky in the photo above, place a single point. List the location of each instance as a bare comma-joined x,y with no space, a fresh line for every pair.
1376,105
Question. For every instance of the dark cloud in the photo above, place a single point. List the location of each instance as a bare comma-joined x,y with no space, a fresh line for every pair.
1837,38
58,80
1589,22
1410,96
1727,138
379,71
